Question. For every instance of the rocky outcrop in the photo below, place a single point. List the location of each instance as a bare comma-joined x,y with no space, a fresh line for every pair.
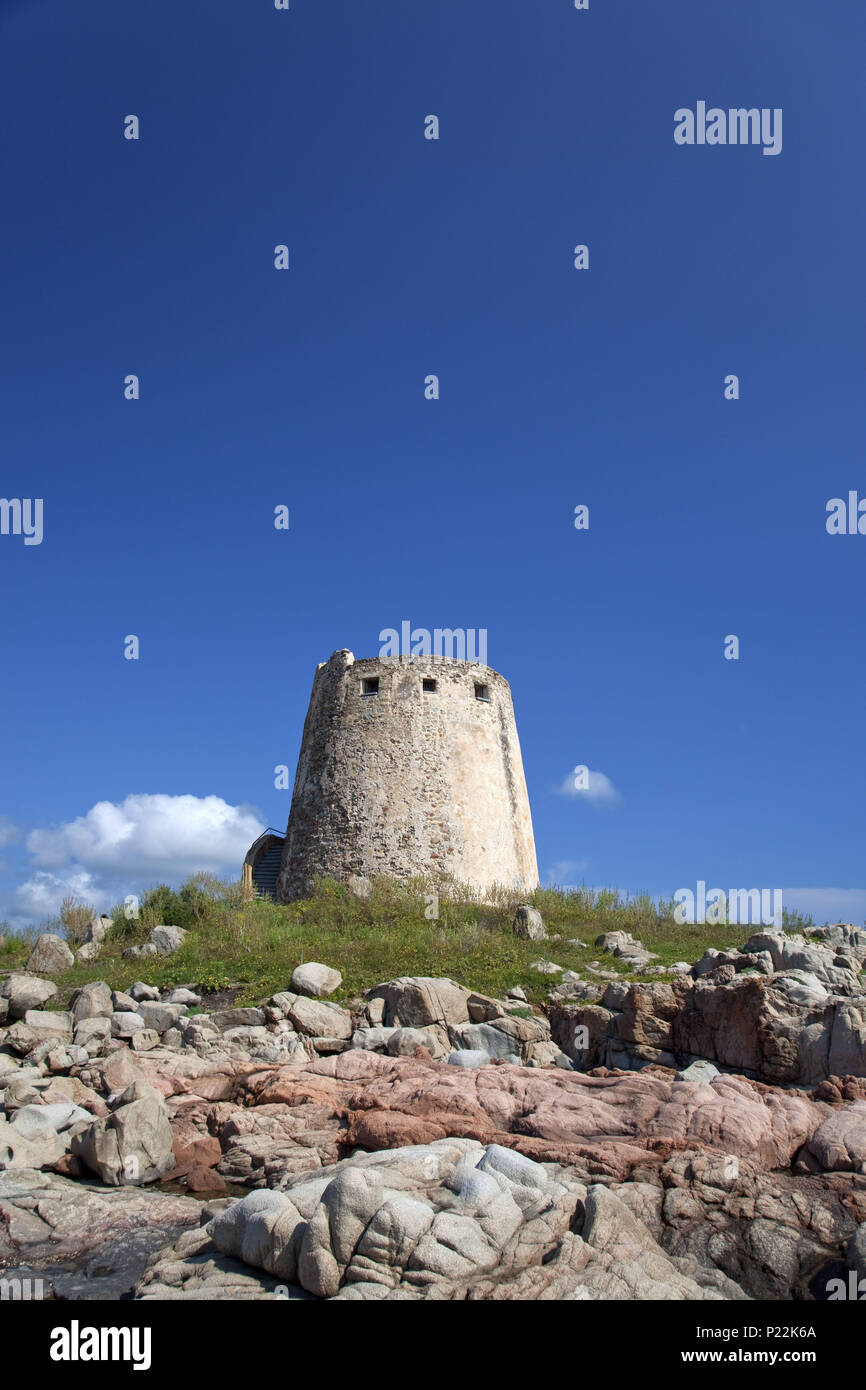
84,1239
378,1137
783,1028
274,1122
455,1219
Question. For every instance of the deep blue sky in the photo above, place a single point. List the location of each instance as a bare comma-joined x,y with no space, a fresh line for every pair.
707,517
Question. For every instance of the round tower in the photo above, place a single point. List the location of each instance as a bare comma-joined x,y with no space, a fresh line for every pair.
409,766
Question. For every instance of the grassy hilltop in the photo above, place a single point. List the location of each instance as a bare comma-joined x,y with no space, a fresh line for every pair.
257,944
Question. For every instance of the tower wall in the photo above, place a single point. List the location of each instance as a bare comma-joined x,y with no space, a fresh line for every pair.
406,782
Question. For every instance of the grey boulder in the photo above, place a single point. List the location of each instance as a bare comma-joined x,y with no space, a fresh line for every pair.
315,980
50,955
528,923
131,1146
26,992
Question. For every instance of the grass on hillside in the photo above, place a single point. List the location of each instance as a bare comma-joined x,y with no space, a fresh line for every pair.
257,944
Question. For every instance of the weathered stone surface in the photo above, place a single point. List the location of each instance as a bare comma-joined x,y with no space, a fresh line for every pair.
22,1087
839,1142
120,1070
92,1033
545,1054
546,967
469,1057
224,1019
315,980
92,1001
140,952
50,955
194,1269
415,1001
167,940
528,923
36,1121
26,992
20,1151
483,1037
719,1183
373,1102
375,1012
98,929
375,1039
698,1071
123,1003
403,1042
44,1217
71,1090
140,991
23,1039
454,1219
318,1019
796,953
50,1023
856,1251
712,959
503,1037
124,1025
132,1146
572,989
844,934
782,1029
623,945
160,1017
181,996
406,783
482,1009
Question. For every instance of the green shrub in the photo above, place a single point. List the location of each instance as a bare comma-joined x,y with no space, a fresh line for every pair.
796,921
76,918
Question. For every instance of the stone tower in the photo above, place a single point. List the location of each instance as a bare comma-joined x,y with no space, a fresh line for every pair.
409,766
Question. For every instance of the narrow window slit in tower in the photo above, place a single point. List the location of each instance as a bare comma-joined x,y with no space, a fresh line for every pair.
370,685
428,685
482,692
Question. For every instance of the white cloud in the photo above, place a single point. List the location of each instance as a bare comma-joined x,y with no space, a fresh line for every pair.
828,904
599,788
562,873
164,835
41,895
127,847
